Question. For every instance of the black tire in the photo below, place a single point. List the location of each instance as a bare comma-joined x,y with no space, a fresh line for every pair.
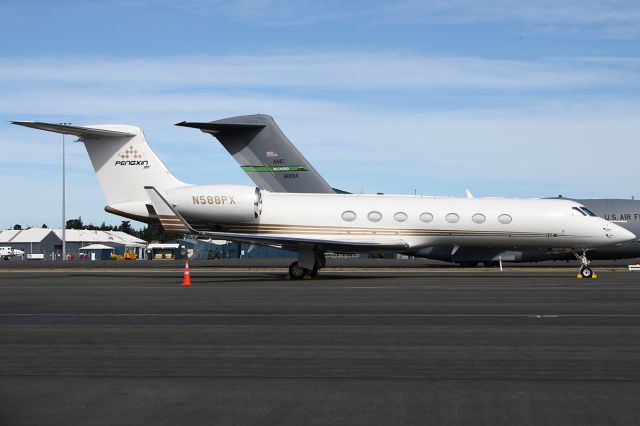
469,264
314,272
297,272
586,272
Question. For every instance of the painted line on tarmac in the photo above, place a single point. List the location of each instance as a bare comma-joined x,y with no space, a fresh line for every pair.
325,320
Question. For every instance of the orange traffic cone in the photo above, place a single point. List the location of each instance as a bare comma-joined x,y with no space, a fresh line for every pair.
186,281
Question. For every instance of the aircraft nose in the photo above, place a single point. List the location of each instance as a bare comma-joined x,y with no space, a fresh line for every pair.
619,234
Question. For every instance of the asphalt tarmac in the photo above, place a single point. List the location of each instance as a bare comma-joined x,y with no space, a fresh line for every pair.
369,347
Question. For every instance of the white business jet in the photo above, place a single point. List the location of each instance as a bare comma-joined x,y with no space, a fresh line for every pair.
137,185
273,163
8,252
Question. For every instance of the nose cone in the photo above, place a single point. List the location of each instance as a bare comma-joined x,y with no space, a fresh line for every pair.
620,235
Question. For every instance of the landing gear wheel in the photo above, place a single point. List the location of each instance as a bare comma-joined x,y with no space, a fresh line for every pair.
297,272
314,272
586,272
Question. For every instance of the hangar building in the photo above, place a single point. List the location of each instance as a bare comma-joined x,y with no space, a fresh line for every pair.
48,241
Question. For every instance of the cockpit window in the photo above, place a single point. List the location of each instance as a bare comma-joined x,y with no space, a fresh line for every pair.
579,210
587,211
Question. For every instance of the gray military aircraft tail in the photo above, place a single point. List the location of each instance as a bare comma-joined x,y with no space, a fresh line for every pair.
265,154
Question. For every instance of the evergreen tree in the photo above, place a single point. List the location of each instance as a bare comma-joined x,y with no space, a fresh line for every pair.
75,223
126,227
153,232
105,227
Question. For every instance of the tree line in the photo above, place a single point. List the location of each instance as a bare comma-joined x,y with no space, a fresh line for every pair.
147,233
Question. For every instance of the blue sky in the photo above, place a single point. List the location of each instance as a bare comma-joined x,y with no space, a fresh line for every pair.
382,96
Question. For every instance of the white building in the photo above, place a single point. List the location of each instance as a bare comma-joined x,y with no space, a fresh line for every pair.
48,241
34,240
120,241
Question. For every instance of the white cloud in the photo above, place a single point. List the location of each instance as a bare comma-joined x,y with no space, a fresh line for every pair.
345,72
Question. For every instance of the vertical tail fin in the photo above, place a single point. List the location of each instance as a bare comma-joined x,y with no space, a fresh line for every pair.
123,161
265,154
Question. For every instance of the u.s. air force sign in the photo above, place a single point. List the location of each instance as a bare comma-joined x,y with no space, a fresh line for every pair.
131,157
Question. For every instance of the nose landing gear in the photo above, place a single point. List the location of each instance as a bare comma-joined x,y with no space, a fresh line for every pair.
585,269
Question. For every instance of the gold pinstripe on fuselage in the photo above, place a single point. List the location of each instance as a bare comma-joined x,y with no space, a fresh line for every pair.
275,229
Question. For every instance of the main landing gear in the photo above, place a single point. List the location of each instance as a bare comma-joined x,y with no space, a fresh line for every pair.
585,270
297,272
307,266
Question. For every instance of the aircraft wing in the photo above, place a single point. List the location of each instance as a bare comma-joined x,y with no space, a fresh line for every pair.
173,221
326,244
79,131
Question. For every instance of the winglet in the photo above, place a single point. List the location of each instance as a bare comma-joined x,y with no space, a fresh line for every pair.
171,220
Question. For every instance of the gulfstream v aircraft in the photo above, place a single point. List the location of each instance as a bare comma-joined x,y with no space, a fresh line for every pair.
273,163
312,224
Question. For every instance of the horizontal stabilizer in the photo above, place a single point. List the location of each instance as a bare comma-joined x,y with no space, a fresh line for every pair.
79,131
214,127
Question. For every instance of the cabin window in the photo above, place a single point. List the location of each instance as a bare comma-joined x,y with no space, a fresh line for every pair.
579,211
452,218
400,216
504,219
374,216
426,217
348,216
587,211
478,218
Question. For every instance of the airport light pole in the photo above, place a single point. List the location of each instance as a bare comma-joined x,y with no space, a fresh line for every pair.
64,218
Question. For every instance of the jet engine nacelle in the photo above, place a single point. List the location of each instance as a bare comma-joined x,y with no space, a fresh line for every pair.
218,203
